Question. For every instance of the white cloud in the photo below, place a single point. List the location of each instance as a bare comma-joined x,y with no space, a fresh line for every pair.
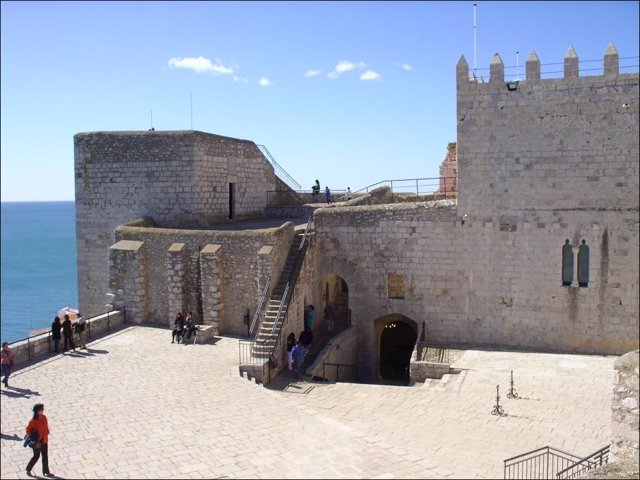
344,66
370,75
312,73
239,79
406,66
265,82
200,65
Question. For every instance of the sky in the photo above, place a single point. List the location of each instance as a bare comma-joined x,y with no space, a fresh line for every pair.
350,93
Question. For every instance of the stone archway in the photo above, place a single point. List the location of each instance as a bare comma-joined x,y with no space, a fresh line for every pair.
335,303
398,335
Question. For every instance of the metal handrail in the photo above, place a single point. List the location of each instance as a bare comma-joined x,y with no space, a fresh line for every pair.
288,180
261,304
304,236
416,180
542,462
282,303
589,462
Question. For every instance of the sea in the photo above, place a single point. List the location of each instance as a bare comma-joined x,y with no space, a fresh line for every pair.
38,260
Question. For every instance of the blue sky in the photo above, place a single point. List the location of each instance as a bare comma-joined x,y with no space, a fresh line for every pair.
351,93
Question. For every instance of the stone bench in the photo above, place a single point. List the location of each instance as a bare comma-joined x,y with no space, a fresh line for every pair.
205,334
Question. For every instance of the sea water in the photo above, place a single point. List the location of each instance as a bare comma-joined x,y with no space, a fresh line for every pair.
38,265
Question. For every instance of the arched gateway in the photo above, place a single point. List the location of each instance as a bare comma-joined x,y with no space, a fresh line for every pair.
397,336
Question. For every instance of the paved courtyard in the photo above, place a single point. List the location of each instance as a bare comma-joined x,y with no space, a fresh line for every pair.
136,406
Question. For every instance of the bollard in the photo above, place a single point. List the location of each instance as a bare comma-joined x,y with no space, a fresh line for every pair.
497,409
512,391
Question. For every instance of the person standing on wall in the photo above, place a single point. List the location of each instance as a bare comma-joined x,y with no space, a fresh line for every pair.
7,362
40,425
80,328
315,191
348,194
67,332
327,195
56,334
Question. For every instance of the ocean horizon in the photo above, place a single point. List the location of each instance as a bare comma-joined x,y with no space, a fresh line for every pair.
39,271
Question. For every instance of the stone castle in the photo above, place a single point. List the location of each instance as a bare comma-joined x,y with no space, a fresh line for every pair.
539,251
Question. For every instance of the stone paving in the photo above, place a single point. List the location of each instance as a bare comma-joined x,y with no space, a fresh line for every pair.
136,406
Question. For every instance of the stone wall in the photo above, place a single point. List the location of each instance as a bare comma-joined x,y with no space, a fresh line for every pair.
449,172
217,275
547,145
625,441
483,282
334,363
39,346
180,179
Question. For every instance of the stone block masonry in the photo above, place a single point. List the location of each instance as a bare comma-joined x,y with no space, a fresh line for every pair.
474,283
180,179
217,275
547,144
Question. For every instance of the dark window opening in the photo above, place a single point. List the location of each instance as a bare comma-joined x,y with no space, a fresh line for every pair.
567,264
232,200
583,265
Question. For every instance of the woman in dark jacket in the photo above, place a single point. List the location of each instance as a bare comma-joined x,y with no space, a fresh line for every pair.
67,331
56,329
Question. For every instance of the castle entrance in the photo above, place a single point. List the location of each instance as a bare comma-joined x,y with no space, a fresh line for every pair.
398,335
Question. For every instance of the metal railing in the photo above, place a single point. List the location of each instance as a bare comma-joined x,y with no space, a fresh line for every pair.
436,186
542,463
305,234
282,174
88,320
595,460
283,302
338,365
406,189
261,304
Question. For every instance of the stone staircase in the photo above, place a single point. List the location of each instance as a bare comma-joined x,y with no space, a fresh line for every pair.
267,336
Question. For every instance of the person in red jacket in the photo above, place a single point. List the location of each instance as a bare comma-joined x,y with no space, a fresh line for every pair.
40,425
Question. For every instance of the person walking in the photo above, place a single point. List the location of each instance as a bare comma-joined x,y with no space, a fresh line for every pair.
40,426
291,342
67,332
297,353
56,333
80,328
7,362
327,195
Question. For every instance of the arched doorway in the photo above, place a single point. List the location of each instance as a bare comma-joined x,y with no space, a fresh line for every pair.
397,341
335,303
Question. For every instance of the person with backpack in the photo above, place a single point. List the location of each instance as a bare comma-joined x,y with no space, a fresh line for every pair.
38,431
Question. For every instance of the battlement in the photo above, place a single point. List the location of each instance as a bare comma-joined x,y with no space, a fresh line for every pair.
547,144
611,68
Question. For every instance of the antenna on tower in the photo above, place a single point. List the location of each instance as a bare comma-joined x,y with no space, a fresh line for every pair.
475,39
151,129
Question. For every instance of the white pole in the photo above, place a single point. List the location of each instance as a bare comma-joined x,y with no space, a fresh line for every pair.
517,66
151,119
475,39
